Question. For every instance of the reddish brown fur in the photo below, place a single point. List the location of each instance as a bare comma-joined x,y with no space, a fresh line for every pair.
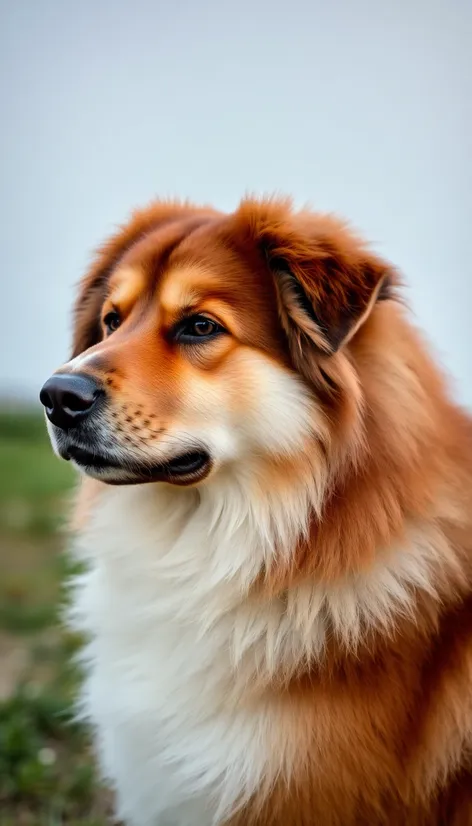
396,713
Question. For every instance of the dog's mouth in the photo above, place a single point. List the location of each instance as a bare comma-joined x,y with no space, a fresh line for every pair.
184,469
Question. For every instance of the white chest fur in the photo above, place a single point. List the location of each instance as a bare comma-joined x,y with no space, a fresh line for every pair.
175,640
163,602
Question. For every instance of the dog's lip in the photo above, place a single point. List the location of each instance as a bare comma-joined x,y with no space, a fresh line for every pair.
88,458
184,468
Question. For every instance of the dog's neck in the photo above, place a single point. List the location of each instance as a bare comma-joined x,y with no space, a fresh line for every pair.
208,560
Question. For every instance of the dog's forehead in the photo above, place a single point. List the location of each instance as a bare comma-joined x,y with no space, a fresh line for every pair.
182,251
202,269
180,267
183,286
126,285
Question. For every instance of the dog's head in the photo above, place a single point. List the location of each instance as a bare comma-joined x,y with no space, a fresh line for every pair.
206,342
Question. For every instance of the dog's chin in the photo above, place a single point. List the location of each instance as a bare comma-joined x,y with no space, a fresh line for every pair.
186,468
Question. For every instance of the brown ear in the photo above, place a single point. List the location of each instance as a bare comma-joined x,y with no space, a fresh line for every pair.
92,290
326,279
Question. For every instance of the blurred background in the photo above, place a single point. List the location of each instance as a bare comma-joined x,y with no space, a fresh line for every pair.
359,107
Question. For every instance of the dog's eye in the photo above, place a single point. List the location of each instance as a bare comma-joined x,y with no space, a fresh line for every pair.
112,321
198,328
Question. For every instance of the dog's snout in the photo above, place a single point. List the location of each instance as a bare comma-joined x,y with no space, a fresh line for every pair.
68,398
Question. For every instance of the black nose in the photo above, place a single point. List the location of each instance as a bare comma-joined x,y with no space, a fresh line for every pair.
69,398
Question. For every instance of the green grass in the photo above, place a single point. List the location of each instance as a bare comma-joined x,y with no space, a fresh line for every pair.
32,480
47,772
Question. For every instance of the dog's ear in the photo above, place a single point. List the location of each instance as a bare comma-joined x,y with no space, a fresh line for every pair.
326,279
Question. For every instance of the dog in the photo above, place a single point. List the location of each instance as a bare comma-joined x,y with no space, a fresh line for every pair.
275,526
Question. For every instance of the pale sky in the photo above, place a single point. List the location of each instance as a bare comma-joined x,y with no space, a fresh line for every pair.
359,107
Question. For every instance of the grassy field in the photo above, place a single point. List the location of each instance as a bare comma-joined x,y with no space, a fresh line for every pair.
47,775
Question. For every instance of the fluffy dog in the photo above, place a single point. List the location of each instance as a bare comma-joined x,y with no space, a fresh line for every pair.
276,525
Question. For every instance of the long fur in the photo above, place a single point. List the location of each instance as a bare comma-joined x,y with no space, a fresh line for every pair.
288,642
